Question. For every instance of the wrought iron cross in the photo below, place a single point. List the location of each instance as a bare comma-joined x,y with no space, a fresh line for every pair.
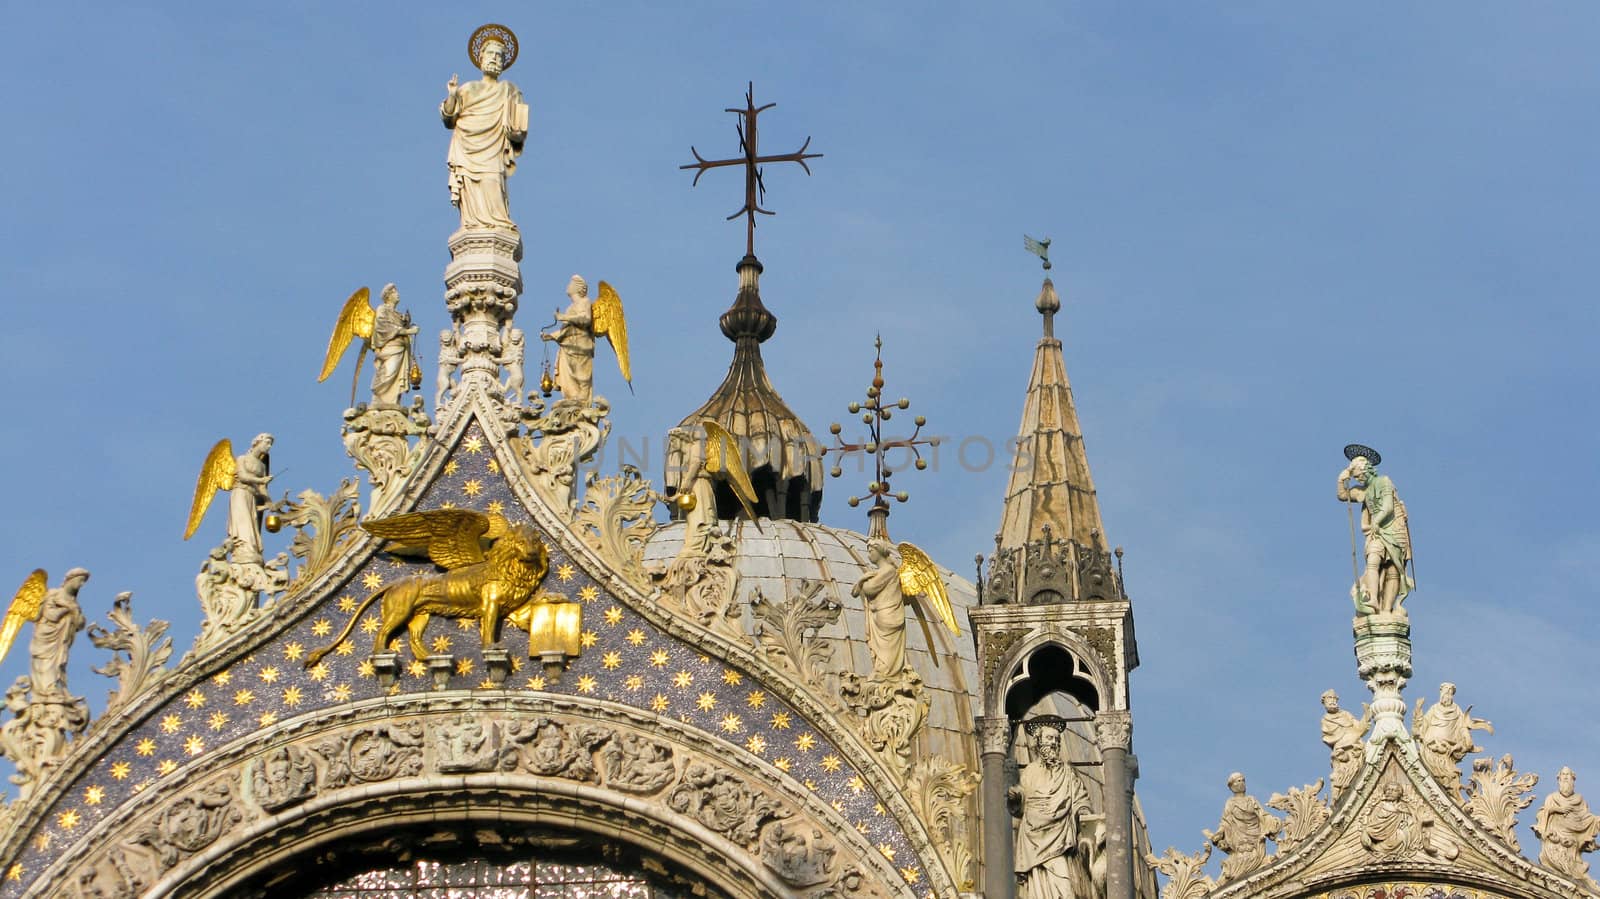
755,190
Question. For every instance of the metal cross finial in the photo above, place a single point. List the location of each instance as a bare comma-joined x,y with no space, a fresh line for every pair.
755,191
1040,248
874,412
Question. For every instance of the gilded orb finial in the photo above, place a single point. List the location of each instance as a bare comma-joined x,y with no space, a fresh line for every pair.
874,411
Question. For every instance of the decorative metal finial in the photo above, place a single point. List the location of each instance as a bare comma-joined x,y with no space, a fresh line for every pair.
874,412
1040,248
755,190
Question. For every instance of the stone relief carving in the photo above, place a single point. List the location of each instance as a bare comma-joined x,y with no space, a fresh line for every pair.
635,764
1343,733
1243,832
615,521
548,747
39,734
801,857
570,433
1496,793
889,712
374,753
723,802
1186,876
1399,825
789,632
189,824
284,776
1304,811
378,439
1058,839
938,789
1566,830
1444,737
138,654
467,743
700,584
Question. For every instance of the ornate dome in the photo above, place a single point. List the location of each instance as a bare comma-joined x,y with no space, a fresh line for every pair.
783,559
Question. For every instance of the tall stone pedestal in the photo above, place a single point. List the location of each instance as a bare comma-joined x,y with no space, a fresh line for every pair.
481,286
1383,660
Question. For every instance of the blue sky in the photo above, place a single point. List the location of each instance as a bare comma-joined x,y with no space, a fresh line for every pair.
1278,228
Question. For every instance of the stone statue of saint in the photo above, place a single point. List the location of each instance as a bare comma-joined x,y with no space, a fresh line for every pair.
1382,588
1050,804
392,356
488,123
1342,733
247,499
575,337
60,619
886,610
1444,734
1566,829
1243,832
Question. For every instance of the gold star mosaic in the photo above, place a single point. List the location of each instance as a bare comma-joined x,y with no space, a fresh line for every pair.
623,659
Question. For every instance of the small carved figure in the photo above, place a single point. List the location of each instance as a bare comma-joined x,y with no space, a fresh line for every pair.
884,590
1496,793
1382,588
548,749
1444,734
489,585
450,358
466,744
488,123
723,802
575,334
282,777
1051,805
515,348
36,738
1566,829
1243,832
1342,733
1397,826
635,764
56,618
245,477
801,858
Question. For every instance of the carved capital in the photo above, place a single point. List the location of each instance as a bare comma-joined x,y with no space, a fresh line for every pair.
1114,729
994,734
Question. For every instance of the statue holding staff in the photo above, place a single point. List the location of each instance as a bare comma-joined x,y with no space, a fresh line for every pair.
1382,587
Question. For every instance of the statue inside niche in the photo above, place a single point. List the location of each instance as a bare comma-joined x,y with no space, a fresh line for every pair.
1057,832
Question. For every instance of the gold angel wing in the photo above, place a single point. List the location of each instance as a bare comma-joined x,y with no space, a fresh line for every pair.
919,576
356,319
452,538
24,608
609,323
216,473
722,457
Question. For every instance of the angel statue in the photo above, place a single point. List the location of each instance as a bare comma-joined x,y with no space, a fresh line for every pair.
488,123
1383,586
245,477
492,583
56,618
717,458
575,333
885,589
387,332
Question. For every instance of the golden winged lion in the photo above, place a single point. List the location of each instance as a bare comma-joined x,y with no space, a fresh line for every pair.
490,584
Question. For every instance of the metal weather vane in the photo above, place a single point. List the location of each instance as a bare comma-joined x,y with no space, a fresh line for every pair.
874,412
1040,248
755,189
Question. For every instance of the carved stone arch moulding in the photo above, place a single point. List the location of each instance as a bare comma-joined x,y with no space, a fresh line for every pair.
1088,667
609,771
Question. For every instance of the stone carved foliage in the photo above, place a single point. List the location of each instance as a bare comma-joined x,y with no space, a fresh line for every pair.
378,439
1186,876
186,825
700,583
548,747
615,521
40,733
230,593
789,632
938,789
1399,825
1496,793
323,525
723,802
570,434
373,753
889,712
138,654
282,777
1305,810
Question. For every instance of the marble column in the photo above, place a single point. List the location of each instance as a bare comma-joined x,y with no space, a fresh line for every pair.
999,869
1114,729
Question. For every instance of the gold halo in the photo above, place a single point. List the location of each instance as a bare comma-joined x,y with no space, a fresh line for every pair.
484,34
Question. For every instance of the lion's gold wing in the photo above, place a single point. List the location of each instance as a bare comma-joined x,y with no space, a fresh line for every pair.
356,319
722,457
452,538
24,608
217,472
919,576
610,324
